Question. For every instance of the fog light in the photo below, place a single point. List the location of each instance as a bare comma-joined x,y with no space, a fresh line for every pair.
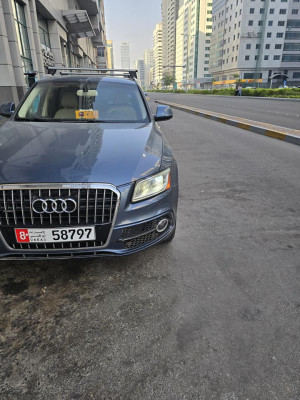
162,225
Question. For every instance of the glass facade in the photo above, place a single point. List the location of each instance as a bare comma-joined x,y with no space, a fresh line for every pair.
21,30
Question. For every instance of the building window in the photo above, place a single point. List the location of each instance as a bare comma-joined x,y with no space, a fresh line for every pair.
291,47
269,34
282,11
247,58
260,23
280,23
276,58
283,1
207,48
293,23
250,75
256,57
262,10
291,58
206,62
258,46
205,68
43,32
23,41
278,46
272,10
279,34
270,23
266,58
250,23
248,46
296,75
251,10
267,46
295,11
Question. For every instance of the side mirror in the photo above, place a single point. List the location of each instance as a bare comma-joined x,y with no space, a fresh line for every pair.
163,113
7,109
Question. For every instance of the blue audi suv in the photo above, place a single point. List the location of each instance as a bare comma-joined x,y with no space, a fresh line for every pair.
85,170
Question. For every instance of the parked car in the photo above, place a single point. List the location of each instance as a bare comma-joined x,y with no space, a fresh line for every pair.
85,170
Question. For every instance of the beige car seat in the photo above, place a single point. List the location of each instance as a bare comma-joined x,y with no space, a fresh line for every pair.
122,109
68,105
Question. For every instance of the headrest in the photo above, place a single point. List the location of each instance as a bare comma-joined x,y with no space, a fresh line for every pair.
69,100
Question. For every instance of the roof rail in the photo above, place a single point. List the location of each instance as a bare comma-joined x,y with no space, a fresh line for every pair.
130,73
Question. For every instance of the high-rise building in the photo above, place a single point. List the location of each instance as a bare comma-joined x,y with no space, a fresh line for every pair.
110,54
157,54
193,31
169,13
141,75
38,34
125,55
149,63
259,42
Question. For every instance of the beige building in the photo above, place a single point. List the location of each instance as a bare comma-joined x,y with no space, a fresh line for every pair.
36,34
193,31
110,54
169,14
157,55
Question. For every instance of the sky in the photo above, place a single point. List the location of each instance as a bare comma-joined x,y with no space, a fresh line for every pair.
131,21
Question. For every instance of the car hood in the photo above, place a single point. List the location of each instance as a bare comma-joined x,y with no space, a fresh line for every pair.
33,152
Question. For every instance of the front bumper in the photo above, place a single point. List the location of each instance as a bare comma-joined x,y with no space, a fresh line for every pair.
133,231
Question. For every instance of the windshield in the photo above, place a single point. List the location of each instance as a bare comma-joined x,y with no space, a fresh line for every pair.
88,100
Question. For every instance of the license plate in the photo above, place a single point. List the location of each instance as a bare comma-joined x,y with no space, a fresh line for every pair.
54,235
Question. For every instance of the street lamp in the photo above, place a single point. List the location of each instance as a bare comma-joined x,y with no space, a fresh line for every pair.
187,61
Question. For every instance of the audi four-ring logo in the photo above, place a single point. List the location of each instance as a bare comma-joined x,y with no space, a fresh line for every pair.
51,206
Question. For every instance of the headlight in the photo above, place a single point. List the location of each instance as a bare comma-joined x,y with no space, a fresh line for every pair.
152,186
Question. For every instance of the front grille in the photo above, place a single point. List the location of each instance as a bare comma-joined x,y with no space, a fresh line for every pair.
141,234
139,229
140,240
94,206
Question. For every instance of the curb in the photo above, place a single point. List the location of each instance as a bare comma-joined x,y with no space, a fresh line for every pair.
253,126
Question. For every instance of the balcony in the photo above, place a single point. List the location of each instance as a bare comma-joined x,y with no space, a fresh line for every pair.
91,6
78,23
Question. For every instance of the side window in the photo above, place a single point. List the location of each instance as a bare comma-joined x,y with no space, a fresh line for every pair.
36,103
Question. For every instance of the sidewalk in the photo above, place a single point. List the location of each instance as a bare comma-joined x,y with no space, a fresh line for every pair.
274,131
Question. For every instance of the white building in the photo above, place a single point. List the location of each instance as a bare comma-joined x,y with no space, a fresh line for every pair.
193,31
141,75
37,34
257,41
157,54
125,55
149,63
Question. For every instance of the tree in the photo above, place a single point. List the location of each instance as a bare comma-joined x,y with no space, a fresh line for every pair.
167,79
238,81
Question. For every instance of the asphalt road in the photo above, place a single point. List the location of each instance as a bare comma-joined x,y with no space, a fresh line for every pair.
277,112
212,316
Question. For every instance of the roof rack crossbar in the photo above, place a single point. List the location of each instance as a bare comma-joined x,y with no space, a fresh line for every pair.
132,73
